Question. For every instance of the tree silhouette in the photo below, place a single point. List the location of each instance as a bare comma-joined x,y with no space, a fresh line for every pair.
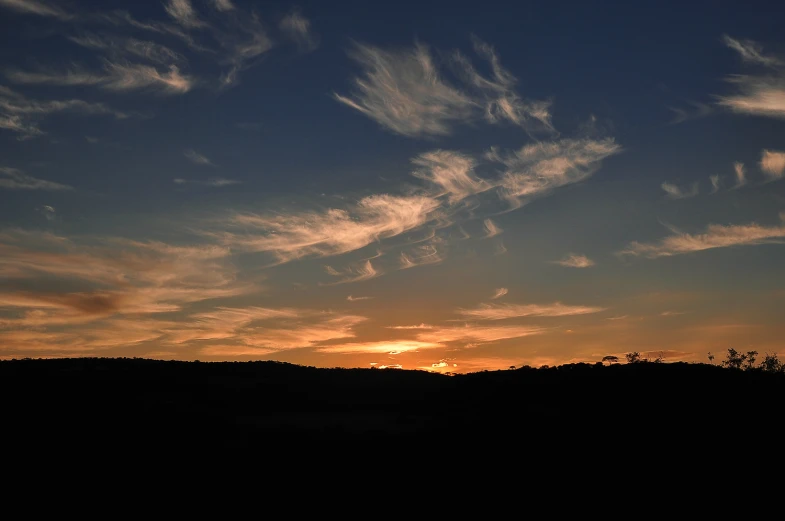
772,364
610,359
750,359
734,359
633,358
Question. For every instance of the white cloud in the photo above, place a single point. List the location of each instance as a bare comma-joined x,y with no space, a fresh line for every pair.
773,164
491,230
715,183
741,175
539,168
674,192
574,260
404,92
451,172
504,311
14,179
49,213
183,13
716,236
500,292
37,7
120,76
762,95
298,29
335,231
196,158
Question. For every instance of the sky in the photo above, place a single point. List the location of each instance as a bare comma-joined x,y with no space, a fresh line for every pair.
444,186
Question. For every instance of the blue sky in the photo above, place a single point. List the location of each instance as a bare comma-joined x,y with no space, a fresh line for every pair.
431,185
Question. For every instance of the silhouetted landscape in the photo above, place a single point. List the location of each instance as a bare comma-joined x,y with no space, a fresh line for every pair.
146,404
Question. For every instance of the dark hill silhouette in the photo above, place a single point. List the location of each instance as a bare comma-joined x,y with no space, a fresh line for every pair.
101,402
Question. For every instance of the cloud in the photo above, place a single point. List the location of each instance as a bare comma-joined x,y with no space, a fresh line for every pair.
698,110
404,92
213,181
491,230
359,273
335,231
574,260
117,76
499,292
13,179
20,114
355,299
497,94
37,7
418,326
183,13
763,94
674,192
420,256
751,51
741,176
773,164
392,347
477,334
223,5
298,29
452,173
716,236
196,158
504,311
48,212
124,47
715,183
537,169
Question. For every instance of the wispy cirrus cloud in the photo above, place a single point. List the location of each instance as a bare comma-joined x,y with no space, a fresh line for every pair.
123,47
499,293
37,7
762,94
741,174
335,231
477,334
716,236
537,169
196,158
362,271
297,28
14,179
452,173
504,311
22,115
420,256
351,298
223,5
404,92
676,192
715,183
213,181
183,12
117,76
697,111
491,229
574,260
391,347
772,163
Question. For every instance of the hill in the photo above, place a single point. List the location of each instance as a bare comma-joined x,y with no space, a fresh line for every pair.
99,402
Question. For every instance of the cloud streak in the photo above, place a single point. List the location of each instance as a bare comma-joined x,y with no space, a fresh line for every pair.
36,7
716,236
505,311
499,293
762,94
13,179
675,192
573,260
773,164
298,29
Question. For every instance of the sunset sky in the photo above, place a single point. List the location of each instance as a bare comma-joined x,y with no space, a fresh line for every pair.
437,185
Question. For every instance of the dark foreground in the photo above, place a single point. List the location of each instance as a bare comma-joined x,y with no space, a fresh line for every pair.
256,406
